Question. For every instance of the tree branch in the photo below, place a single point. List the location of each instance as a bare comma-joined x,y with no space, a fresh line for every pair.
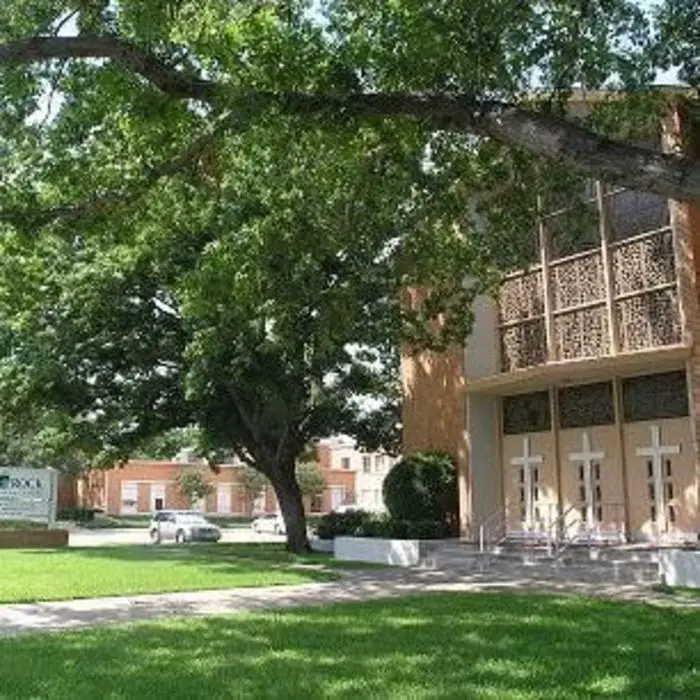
541,134
102,203
144,63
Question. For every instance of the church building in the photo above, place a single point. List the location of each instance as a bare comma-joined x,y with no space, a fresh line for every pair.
575,406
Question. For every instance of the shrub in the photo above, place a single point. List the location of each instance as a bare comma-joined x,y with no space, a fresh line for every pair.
339,524
77,515
422,488
363,524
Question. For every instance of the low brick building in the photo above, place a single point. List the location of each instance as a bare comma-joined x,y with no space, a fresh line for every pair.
143,486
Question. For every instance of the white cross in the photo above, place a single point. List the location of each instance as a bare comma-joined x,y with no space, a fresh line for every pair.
587,458
527,461
657,452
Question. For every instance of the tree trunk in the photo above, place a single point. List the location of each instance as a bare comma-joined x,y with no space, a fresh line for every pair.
288,494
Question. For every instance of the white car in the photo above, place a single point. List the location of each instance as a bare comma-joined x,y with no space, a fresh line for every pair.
182,526
272,524
347,508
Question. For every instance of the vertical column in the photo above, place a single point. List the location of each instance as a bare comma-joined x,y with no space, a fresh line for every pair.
499,460
554,415
683,137
545,259
607,269
620,436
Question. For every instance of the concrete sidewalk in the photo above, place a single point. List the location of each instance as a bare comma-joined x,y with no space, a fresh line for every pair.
64,615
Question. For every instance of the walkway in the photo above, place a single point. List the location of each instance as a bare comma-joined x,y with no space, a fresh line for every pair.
356,585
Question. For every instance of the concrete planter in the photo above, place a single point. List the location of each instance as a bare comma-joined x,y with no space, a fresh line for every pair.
324,546
678,567
30,539
378,551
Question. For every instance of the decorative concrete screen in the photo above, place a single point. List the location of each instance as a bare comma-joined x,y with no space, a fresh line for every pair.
28,494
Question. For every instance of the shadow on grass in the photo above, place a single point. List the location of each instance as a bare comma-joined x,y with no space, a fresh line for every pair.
449,645
196,552
218,555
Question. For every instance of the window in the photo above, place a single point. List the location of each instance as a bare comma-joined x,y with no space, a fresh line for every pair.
587,404
159,504
366,464
378,463
345,463
337,496
655,396
316,503
526,413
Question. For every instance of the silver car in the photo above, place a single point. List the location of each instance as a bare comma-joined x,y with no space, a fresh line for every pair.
182,526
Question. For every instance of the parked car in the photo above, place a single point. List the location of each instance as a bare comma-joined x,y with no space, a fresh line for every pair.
347,508
272,524
182,526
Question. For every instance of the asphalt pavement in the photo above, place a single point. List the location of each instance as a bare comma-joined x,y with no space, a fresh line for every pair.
123,536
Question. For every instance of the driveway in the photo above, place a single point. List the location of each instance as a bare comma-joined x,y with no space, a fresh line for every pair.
100,538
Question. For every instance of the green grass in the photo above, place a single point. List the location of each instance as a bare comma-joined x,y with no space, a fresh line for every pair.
504,647
58,574
21,525
677,591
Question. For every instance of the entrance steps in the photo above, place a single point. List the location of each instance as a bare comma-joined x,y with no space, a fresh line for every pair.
622,564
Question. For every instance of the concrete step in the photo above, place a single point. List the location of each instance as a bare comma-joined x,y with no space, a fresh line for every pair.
599,564
603,572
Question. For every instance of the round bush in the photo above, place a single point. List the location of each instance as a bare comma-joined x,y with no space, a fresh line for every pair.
423,487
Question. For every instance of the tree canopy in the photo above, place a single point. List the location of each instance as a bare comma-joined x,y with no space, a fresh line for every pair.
209,210
211,67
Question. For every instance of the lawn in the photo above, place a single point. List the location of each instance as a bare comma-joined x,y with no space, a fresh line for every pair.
440,646
58,574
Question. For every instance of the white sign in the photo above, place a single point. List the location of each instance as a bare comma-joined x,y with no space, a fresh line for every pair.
28,494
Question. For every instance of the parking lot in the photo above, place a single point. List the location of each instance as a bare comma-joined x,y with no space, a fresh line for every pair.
100,538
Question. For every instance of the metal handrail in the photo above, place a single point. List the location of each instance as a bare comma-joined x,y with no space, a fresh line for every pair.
565,540
556,529
497,515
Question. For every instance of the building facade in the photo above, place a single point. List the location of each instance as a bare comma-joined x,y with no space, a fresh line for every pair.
366,472
575,405
144,486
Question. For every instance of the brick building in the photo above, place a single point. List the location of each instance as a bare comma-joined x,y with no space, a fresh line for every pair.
364,473
143,486
575,406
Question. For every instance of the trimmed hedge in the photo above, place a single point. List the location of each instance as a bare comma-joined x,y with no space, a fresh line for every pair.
423,487
339,524
77,515
363,524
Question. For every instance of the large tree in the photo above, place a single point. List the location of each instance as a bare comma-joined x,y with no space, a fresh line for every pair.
230,196
256,296
462,66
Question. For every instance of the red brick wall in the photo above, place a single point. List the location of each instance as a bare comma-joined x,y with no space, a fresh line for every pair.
104,489
67,492
687,223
